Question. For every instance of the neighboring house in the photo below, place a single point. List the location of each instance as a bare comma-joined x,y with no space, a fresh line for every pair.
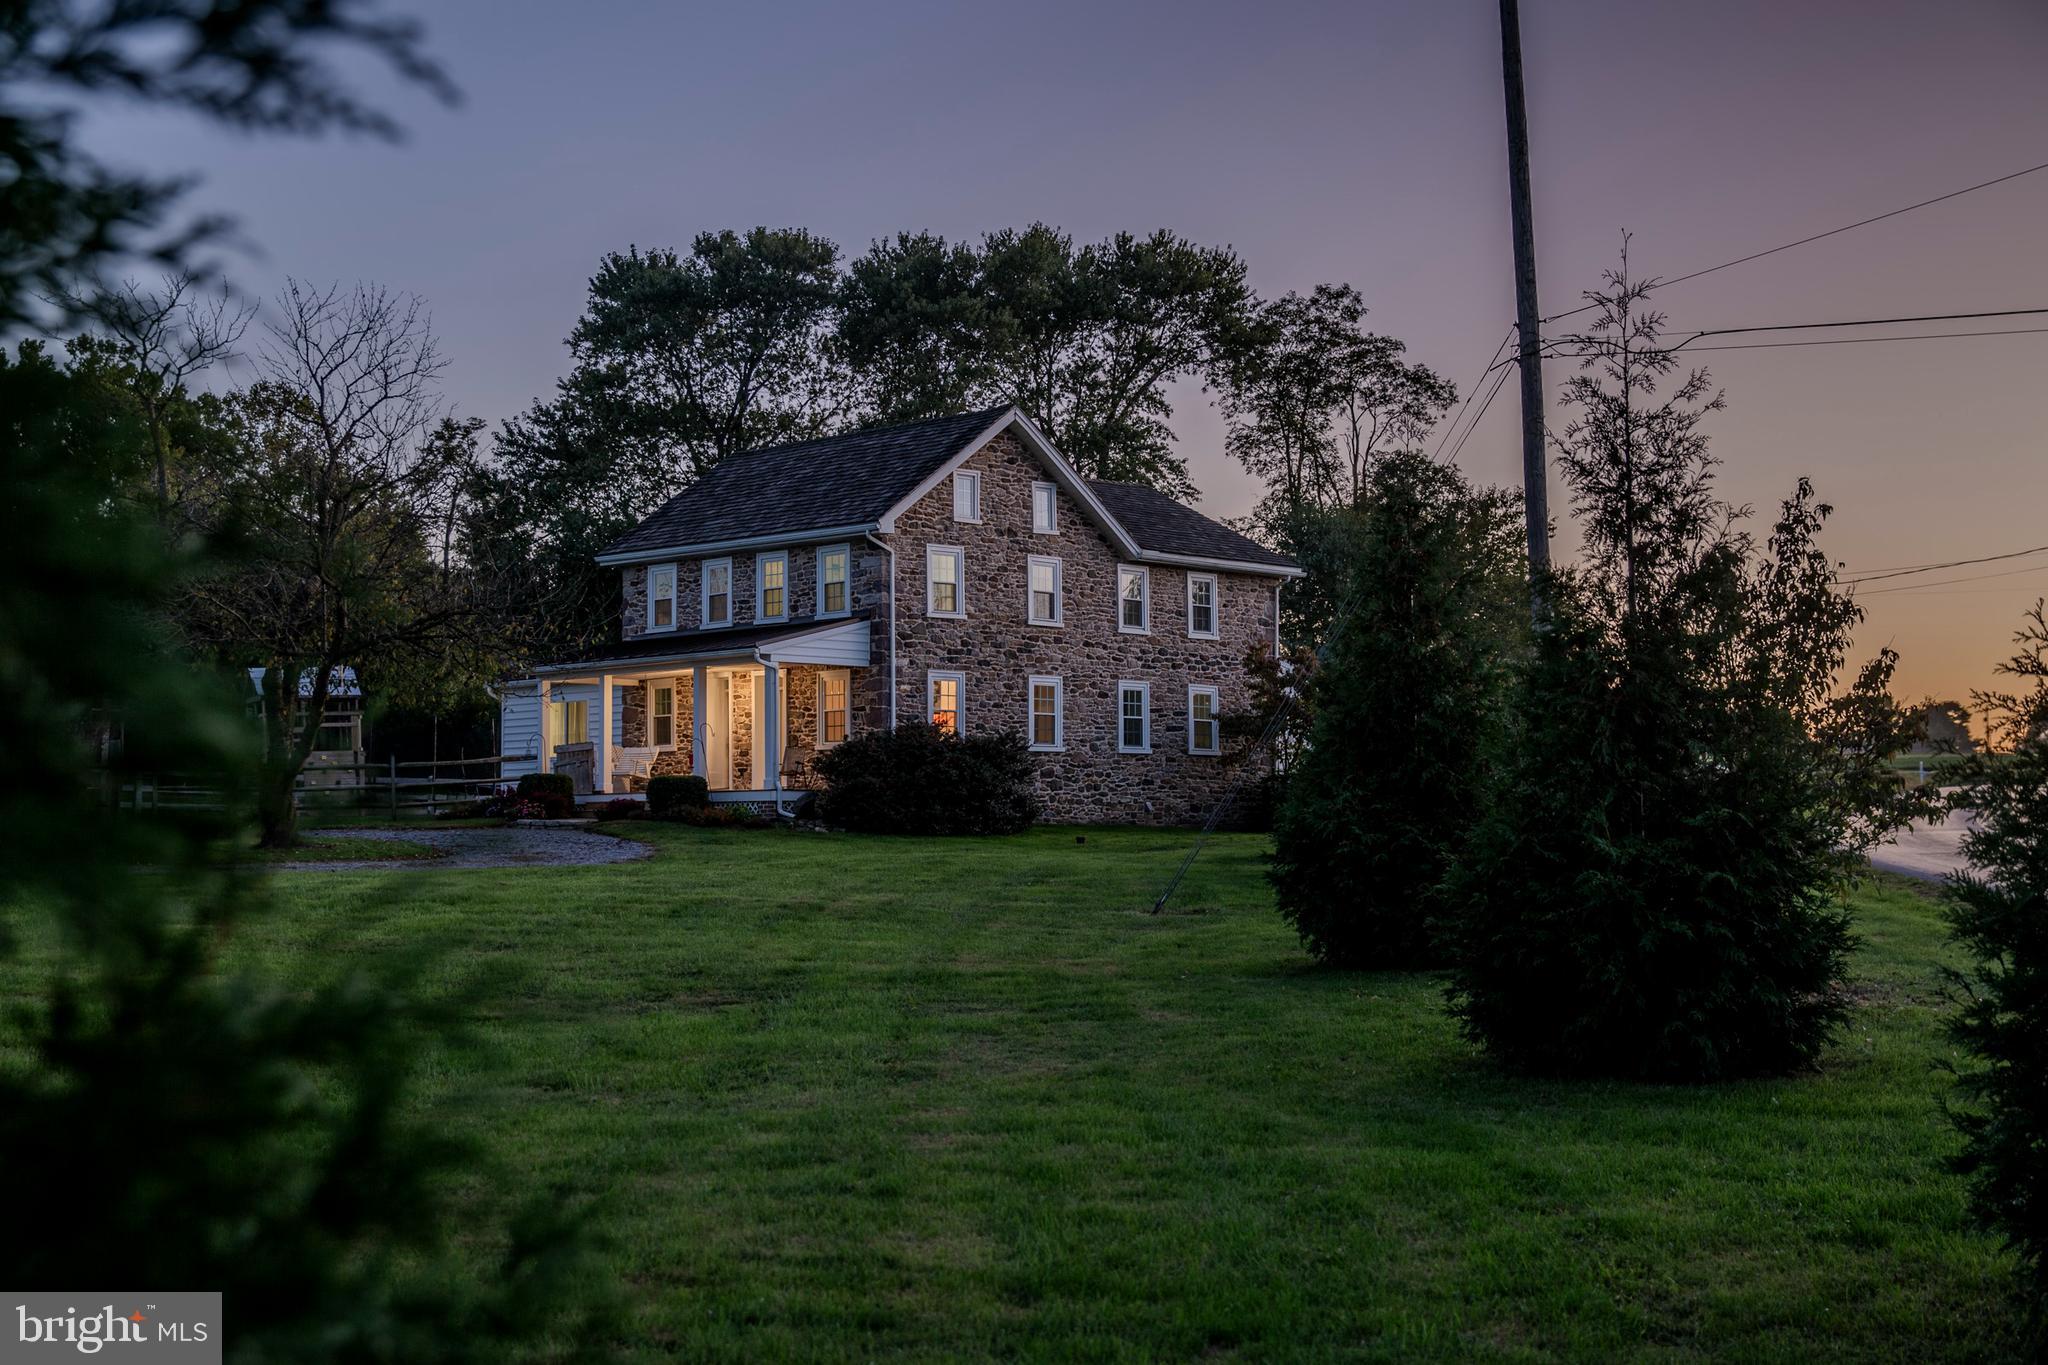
957,571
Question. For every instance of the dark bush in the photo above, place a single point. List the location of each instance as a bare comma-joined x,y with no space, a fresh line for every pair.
671,794
622,809
541,785
1999,913
918,779
720,817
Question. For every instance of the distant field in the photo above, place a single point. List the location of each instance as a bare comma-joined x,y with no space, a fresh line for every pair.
848,1098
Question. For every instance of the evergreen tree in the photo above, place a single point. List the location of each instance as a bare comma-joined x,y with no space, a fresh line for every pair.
1654,891
1387,787
1999,913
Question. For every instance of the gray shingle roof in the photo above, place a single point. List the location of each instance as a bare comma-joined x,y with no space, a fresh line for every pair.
848,480
1162,526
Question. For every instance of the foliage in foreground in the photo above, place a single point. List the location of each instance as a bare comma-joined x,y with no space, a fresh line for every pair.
1999,913
920,779
1654,890
1386,790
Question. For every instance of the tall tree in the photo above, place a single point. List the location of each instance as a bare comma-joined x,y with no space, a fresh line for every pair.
1654,891
917,328
338,499
1315,397
1381,798
1998,912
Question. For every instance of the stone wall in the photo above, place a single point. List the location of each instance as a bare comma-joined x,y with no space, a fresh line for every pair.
998,650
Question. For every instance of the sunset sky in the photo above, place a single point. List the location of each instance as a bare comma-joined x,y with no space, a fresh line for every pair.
1359,142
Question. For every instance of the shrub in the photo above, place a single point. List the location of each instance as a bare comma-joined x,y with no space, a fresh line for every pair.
1654,889
919,779
622,809
1384,793
671,794
1998,911
539,786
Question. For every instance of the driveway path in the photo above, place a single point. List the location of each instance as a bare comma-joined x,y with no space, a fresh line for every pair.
468,848
1929,850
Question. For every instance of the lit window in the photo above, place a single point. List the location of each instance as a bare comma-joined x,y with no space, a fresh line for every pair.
771,586
1046,607
1133,600
1205,735
661,597
832,569
1133,718
1045,508
966,495
946,690
717,592
1202,605
831,706
1045,713
942,570
661,716
570,721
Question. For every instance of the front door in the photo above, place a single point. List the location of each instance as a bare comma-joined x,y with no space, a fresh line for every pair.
718,721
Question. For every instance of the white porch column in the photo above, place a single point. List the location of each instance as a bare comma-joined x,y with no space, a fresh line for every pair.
700,760
768,725
547,750
601,780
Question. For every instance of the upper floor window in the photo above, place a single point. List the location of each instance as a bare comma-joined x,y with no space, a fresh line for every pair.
1045,508
832,706
947,692
661,597
717,592
1205,733
771,586
1202,605
1047,606
833,564
1133,599
966,495
661,715
1133,718
944,577
1046,733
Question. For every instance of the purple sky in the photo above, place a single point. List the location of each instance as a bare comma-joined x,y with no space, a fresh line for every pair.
1358,142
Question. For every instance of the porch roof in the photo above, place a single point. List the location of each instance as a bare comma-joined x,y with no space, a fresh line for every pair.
836,641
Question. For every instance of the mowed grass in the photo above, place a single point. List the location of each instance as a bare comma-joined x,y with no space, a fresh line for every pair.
846,1098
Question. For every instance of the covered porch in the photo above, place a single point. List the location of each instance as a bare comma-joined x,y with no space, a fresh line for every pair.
746,710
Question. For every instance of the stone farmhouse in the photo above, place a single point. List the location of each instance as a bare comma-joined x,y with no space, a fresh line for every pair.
956,571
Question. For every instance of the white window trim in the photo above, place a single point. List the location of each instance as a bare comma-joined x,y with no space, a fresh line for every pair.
1059,715
973,477
823,551
675,723
846,689
675,605
960,712
1215,696
1144,596
1059,591
1054,489
1144,689
932,553
761,560
704,591
1215,630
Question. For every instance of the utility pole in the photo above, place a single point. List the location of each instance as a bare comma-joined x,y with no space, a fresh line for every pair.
1535,493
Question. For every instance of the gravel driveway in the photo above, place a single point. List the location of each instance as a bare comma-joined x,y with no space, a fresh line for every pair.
463,848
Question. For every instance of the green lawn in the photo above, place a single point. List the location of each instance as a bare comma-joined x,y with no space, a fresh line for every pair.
857,1098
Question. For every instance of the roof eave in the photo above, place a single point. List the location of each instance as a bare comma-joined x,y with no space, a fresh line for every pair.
1226,565
817,535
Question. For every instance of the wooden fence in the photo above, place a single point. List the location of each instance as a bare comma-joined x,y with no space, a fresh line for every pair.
391,786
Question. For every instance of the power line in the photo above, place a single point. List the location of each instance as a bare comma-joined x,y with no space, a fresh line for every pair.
1470,390
1861,322
1944,582
1497,386
1824,341
1831,232
1904,571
